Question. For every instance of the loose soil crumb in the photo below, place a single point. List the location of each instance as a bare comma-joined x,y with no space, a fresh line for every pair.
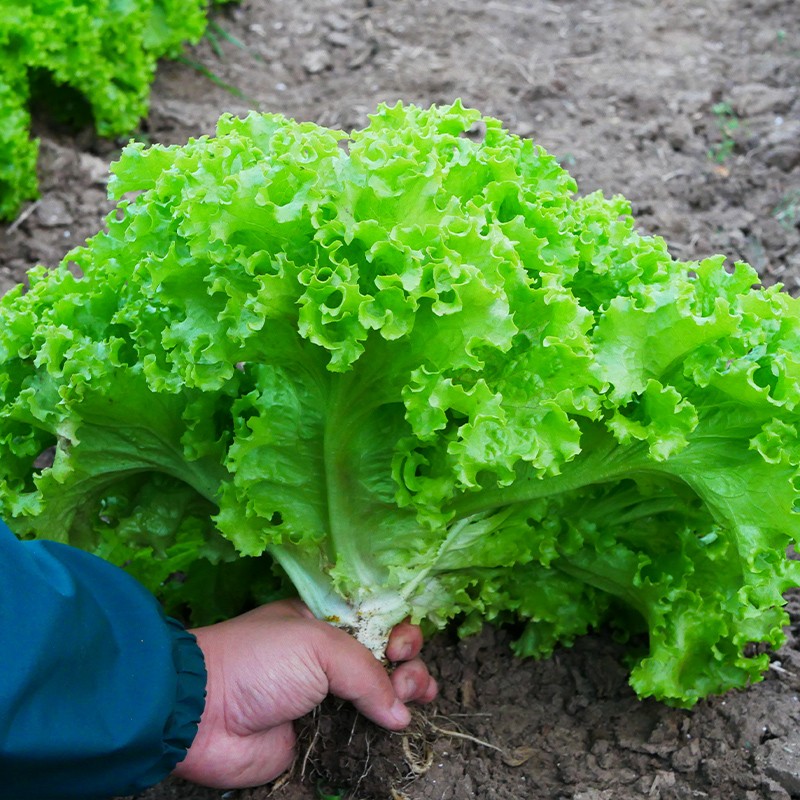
689,109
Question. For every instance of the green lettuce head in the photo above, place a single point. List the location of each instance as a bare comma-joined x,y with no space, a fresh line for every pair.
413,369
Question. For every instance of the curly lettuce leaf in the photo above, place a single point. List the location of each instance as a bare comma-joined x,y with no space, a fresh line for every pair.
104,51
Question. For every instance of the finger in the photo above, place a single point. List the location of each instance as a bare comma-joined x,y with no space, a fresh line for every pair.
405,642
412,682
430,692
354,674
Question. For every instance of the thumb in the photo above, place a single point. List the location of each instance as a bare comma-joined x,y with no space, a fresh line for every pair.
354,674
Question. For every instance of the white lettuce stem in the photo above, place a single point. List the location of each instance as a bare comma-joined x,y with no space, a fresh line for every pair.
375,618
370,620
371,615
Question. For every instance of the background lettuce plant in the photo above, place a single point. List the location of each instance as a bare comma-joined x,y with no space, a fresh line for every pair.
103,51
423,377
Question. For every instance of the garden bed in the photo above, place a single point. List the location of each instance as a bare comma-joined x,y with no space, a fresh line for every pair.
692,111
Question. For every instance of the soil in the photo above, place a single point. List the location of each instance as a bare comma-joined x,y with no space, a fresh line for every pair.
689,109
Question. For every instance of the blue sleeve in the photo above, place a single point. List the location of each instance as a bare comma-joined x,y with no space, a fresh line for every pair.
100,693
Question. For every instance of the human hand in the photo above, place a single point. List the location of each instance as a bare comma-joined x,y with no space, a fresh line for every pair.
271,666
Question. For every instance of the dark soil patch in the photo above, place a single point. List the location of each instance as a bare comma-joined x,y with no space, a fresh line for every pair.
692,111
567,728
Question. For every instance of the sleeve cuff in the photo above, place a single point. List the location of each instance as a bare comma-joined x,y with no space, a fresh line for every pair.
181,727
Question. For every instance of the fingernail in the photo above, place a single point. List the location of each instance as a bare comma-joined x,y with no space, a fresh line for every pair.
407,689
400,714
402,650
